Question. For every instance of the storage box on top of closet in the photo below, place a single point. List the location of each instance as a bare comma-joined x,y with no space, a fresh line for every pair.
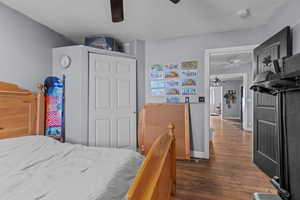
100,96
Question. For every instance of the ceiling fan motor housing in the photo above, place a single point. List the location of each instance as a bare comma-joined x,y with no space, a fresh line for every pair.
117,10
175,1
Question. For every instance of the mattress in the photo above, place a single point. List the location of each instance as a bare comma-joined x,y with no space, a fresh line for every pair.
41,168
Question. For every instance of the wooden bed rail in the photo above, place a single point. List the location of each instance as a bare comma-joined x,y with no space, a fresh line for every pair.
156,179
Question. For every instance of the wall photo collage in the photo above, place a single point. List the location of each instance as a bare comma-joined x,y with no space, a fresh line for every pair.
174,80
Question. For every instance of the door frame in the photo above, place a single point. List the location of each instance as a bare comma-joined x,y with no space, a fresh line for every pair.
221,93
113,59
208,53
245,84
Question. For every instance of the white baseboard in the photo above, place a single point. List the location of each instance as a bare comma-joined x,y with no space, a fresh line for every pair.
199,154
248,129
231,118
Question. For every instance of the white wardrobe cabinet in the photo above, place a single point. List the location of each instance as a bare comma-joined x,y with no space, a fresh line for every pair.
100,96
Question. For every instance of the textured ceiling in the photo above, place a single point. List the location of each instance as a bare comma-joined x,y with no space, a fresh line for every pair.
230,60
226,78
146,19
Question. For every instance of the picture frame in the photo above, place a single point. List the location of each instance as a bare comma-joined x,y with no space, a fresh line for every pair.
189,91
172,91
189,65
171,74
157,68
157,84
188,82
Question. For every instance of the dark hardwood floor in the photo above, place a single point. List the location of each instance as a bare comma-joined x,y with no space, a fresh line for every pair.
229,174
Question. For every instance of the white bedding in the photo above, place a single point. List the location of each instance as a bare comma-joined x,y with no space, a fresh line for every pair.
40,168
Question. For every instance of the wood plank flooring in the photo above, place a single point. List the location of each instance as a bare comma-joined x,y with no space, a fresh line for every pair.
229,174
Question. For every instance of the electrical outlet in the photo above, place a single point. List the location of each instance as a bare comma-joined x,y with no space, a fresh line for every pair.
201,99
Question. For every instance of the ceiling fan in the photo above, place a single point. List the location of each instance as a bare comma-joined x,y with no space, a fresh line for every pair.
117,9
216,81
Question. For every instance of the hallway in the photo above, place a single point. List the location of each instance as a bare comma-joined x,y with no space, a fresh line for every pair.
229,174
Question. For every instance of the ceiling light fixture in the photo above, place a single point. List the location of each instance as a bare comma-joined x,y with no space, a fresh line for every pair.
234,61
175,1
244,13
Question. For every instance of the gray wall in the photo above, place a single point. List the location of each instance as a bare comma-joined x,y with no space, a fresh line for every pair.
25,49
137,48
235,107
288,14
193,48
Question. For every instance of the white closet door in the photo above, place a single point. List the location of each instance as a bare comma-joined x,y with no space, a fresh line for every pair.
112,101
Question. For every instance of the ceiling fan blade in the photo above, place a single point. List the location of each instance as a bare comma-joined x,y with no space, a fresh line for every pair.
117,10
175,1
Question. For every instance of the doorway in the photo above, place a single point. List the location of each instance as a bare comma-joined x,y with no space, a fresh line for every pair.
226,97
234,56
216,100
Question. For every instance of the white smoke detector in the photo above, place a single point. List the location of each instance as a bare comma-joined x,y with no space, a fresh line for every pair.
244,13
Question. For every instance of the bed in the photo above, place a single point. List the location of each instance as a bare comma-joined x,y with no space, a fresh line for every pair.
33,166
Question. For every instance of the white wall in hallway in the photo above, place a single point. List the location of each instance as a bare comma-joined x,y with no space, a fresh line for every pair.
234,110
241,68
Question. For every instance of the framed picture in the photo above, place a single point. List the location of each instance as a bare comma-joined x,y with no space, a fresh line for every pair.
189,65
189,91
157,92
172,83
157,84
173,100
172,91
190,73
156,75
171,74
157,68
172,67
188,82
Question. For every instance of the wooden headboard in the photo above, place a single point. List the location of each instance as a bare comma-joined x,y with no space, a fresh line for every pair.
21,111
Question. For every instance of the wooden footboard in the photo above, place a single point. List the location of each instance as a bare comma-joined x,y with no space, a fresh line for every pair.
156,179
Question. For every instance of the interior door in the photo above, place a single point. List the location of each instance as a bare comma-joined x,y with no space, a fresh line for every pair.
112,101
266,126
